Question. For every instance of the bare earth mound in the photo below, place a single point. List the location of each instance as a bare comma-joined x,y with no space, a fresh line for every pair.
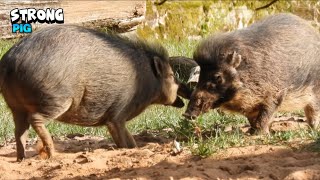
94,158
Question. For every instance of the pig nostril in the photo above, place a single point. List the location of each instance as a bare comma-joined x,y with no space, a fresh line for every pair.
188,116
193,117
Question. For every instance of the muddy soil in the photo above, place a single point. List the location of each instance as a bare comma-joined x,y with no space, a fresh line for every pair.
85,157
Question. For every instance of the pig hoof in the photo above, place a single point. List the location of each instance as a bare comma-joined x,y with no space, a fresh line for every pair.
252,131
314,126
45,153
272,132
20,159
255,131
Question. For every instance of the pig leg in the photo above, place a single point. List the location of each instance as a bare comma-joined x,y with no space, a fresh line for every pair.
114,134
267,109
119,134
37,122
264,119
253,125
259,119
130,140
312,114
21,133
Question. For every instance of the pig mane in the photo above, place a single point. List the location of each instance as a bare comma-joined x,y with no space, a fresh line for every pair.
150,48
210,52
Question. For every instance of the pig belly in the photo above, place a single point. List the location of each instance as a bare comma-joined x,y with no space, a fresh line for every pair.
82,118
297,100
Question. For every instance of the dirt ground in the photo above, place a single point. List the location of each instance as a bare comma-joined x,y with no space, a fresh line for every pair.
84,157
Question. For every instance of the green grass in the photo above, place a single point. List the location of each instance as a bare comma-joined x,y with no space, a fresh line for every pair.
5,45
6,123
212,135
180,48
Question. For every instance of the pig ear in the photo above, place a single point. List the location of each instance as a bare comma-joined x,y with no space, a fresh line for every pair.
235,60
158,66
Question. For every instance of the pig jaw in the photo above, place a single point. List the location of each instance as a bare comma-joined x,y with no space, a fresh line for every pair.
172,93
169,93
192,111
169,96
200,102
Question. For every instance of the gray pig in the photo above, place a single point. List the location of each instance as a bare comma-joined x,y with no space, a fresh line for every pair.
272,65
83,77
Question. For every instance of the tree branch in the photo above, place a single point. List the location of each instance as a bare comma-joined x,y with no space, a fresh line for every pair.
266,6
160,3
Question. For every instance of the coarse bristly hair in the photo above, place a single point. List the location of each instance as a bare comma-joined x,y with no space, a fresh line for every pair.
151,48
210,50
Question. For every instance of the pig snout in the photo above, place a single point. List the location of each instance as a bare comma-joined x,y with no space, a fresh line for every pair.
193,109
190,115
199,103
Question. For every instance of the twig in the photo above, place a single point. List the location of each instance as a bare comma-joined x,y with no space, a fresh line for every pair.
160,3
266,6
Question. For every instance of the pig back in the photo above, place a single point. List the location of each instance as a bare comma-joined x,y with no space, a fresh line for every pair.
96,72
280,52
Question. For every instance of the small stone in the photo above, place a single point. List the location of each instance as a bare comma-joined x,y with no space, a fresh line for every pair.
72,136
200,169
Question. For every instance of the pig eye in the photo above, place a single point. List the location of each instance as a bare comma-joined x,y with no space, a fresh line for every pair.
218,79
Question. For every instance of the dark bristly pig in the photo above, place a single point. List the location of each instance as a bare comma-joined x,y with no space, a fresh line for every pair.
83,77
182,66
272,65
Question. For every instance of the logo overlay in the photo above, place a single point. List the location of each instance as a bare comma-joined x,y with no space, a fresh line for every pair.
31,15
